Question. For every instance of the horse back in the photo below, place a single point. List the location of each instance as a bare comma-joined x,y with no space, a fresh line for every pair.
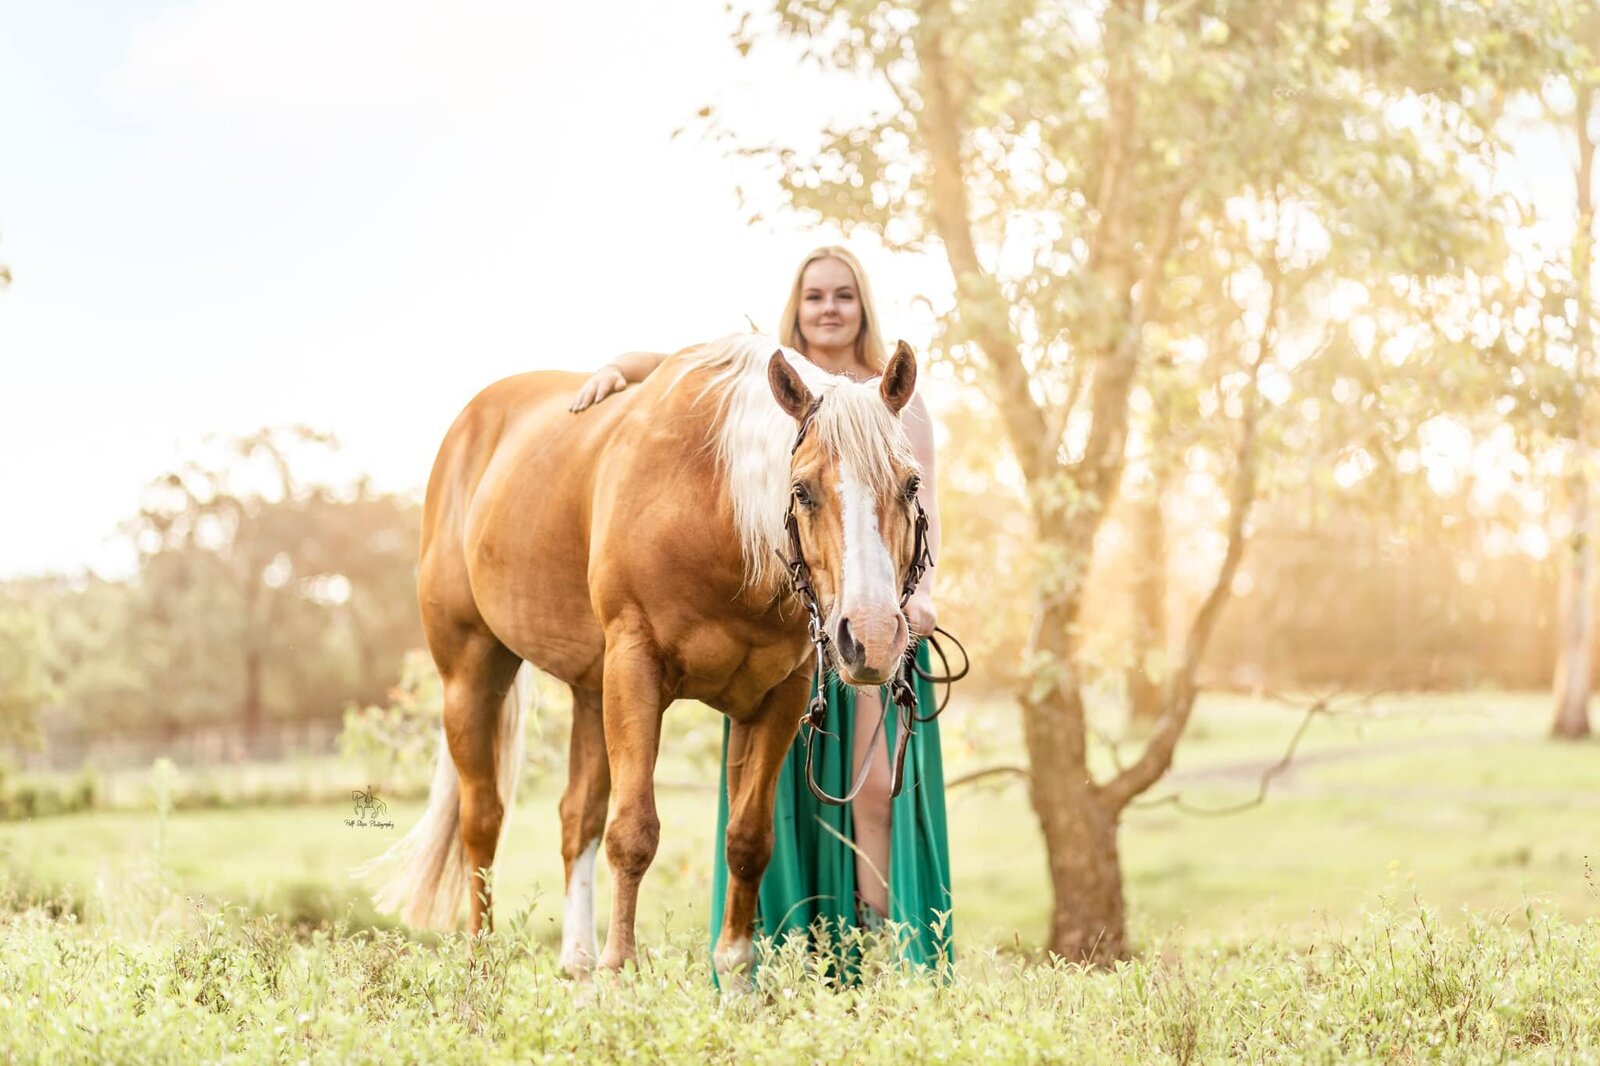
551,529
506,521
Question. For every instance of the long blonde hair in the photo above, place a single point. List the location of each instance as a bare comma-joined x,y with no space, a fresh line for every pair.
869,341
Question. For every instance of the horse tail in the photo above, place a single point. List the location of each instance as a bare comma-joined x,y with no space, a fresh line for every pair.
427,868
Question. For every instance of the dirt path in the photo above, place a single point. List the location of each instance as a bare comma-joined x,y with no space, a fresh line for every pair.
1252,769
1292,780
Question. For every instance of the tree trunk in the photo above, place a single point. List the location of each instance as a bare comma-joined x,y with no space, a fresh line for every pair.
1577,579
1088,915
1577,617
1079,825
1147,674
251,713
1088,918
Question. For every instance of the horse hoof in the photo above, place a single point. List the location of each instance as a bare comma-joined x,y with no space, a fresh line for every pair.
736,986
577,966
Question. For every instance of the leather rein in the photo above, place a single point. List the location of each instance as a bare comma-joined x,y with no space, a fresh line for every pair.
902,690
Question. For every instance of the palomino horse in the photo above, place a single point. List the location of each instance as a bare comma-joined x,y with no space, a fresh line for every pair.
636,551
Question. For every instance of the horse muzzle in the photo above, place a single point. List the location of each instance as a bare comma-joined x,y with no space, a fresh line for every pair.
869,644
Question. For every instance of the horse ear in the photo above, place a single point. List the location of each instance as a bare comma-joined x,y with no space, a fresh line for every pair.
900,379
787,388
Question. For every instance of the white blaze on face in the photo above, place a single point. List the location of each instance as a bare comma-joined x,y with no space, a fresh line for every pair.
577,920
868,596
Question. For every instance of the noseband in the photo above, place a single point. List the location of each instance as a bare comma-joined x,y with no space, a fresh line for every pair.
901,688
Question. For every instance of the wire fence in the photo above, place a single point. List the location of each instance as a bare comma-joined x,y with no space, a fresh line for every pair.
198,746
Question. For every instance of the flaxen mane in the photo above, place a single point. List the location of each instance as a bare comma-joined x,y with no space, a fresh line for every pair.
754,438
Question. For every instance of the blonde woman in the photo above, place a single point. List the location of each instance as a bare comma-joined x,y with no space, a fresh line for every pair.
881,855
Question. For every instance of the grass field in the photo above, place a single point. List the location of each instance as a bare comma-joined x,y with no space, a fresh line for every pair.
1398,987
1419,882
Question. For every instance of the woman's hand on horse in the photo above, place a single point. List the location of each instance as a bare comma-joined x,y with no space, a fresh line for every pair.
920,614
601,383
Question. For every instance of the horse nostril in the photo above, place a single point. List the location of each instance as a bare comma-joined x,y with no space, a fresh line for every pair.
849,649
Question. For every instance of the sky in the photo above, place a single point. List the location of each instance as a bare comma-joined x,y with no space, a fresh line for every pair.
353,214
226,214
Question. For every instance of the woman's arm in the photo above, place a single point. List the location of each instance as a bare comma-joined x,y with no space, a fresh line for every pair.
919,427
626,369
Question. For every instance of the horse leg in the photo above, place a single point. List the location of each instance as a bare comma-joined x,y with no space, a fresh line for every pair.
583,820
756,751
477,674
633,702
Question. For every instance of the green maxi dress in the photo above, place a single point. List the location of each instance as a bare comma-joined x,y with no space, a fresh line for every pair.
812,874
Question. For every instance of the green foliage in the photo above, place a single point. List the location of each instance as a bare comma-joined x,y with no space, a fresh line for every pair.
25,685
27,796
221,983
1253,945
1455,794
985,551
95,660
1284,212
398,744
262,594
246,567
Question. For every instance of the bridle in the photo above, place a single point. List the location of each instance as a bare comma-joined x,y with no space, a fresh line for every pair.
902,690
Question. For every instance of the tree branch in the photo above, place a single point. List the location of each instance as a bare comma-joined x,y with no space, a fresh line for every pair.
1110,246
1099,472
1176,799
988,771
1181,690
983,307
1322,705
1156,759
1063,412
1155,262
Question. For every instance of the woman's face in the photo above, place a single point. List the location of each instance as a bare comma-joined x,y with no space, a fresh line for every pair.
830,305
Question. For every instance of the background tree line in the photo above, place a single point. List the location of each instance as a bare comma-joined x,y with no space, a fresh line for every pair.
262,596
293,599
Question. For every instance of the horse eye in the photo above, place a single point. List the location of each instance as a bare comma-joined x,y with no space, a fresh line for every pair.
802,495
913,485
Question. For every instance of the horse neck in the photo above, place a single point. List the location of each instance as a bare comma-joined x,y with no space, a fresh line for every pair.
679,406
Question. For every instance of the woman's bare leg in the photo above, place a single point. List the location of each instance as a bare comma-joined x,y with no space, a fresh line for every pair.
870,811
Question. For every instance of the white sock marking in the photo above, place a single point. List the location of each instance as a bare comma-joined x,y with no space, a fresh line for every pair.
577,919
741,953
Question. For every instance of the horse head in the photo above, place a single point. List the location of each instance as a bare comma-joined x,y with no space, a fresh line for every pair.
854,512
